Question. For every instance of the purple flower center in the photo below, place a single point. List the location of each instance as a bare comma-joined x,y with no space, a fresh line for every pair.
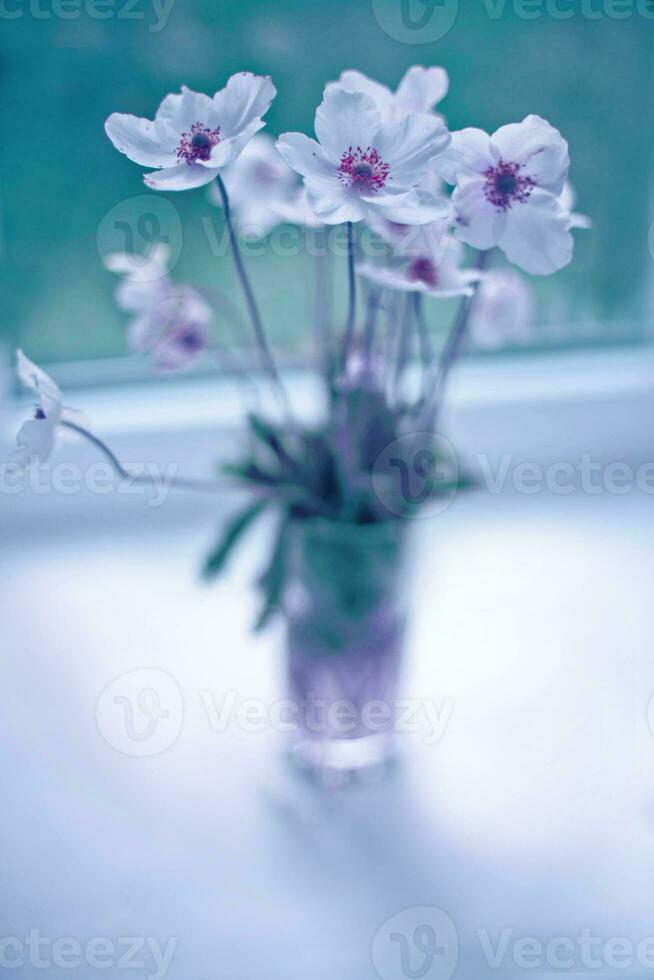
423,270
198,144
505,185
39,414
191,337
363,169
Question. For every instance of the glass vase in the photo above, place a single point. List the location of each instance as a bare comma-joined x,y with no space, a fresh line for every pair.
345,610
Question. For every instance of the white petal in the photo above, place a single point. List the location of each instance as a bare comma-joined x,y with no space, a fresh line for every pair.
421,89
539,148
537,235
332,203
477,222
183,177
305,156
37,380
179,111
140,268
140,140
468,154
407,208
243,101
35,442
397,278
298,211
408,146
381,95
227,151
345,119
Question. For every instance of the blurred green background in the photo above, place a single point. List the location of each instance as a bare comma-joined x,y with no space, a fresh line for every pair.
63,75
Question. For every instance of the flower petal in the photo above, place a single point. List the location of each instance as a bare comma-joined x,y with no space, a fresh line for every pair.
468,154
33,377
537,236
180,110
345,119
477,222
305,156
183,177
332,202
538,147
35,442
406,208
381,95
243,101
408,146
228,150
140,140
421,89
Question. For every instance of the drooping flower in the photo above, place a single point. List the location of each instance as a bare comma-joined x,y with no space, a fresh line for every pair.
170,321
568,200
37,437
426,259
503,310
507,192
420,91
361,166
194,136
256,183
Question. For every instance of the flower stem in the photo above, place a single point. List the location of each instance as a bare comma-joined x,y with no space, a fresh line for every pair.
450,352
267,360
140,478
352,304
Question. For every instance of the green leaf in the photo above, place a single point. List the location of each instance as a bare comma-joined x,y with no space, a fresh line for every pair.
231,535
273,580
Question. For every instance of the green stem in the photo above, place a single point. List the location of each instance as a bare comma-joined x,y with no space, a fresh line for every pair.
140,478
267,360
352,304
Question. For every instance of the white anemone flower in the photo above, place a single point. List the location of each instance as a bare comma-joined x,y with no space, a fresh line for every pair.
194,136
568,200
38,437
503,310
361,166
507,192
427,260
170,321
256,183
420,91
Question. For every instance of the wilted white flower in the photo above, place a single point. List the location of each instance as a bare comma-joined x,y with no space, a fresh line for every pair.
194,136
420,91
427,260
507,192
361,166
37,437
503,310
568,200
257,183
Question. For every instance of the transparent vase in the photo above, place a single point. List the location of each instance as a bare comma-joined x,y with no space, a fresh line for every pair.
345,610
